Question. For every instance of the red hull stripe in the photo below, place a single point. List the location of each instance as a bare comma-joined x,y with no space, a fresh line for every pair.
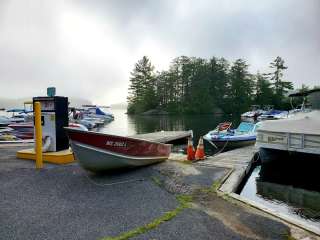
121,145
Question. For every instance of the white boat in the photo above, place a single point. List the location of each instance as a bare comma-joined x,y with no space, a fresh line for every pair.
243,135
4,121
93,111
273,115
254,113
300,133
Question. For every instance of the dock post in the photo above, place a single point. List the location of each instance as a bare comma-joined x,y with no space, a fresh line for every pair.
38,135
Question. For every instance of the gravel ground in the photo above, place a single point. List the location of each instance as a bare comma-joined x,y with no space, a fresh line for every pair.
65,202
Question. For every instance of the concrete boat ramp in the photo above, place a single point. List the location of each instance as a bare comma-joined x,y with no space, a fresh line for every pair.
171,200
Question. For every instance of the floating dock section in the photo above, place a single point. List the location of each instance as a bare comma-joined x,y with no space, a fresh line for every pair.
238,160
164,136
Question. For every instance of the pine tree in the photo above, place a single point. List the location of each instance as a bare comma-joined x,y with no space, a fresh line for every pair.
142,92
280,87
264,93
241,88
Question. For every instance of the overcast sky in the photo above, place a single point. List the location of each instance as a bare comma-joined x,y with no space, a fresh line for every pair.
88,48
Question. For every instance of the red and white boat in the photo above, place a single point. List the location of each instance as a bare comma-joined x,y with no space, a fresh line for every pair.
99,151
22,130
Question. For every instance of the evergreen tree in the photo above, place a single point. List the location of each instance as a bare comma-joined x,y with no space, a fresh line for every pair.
241,87
264,93
201,98
196,85
219,81
142,92
280,87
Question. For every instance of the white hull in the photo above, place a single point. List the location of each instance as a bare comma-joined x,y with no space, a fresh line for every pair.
96,159
300,133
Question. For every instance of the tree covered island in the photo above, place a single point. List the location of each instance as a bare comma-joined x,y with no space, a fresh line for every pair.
197,85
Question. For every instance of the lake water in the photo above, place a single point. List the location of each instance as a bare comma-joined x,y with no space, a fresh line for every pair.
298,203
127,125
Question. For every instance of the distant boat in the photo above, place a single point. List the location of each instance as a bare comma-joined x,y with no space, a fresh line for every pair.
93,111
273,115
20,115
23,130
99,152
254,113
4,121
228,138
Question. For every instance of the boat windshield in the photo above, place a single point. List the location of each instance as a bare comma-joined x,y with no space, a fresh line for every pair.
245,127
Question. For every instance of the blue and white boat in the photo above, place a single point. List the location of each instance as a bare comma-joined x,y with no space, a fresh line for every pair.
244,135
273,115
255,112
93,111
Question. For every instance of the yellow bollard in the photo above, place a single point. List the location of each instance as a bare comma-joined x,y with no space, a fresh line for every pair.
38,135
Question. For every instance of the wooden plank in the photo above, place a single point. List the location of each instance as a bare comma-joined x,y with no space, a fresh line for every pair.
164,136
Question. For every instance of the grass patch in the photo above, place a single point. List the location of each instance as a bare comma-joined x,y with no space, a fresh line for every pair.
213,188
186,162
288,237
184,202
157,181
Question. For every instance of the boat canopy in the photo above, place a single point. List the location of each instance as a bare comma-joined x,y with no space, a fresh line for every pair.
303,93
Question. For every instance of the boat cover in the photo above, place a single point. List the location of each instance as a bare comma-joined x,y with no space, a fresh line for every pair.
15,110
302,123
100,112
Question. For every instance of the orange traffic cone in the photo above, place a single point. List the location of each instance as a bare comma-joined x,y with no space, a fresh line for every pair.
190,150
200,150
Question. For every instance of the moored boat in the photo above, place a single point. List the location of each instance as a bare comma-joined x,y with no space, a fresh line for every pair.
300,133
255,112
93,111
100,152
228,138
273,115
22,130
4,121
296,135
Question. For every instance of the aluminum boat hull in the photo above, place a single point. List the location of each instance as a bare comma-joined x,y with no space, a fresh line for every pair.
101,152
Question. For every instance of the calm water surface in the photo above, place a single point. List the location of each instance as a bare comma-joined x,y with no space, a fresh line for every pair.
299,203
200,124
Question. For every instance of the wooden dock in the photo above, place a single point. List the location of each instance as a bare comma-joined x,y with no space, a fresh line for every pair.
164,136
238,160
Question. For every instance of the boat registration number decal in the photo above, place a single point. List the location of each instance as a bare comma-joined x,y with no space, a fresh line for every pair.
116,144
275,139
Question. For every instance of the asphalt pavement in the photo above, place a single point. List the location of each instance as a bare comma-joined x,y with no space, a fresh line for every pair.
67,202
